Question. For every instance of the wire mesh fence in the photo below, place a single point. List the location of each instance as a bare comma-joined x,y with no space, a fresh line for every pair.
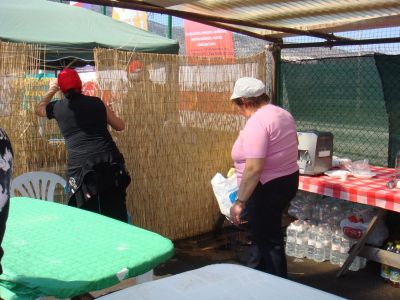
343,96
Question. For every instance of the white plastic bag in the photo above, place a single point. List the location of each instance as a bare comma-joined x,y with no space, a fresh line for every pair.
225,191
354,227
380,232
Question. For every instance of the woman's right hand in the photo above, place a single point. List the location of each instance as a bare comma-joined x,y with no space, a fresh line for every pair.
110,106
115,122
235,212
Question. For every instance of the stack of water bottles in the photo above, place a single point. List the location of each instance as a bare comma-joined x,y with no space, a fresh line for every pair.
316,234
312,207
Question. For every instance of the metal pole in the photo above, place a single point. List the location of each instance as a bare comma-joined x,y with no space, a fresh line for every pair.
169,32
279,86
276,93
342,43
104,10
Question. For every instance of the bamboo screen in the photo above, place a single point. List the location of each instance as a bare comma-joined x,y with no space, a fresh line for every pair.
180,128
36,142
22,85
20,89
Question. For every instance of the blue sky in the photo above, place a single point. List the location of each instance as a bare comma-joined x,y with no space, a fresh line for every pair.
393,48
163,19
362,34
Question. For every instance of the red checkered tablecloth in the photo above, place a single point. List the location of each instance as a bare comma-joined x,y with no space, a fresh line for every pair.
371,191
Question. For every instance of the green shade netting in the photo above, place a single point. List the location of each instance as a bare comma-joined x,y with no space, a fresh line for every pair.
343,96
389,70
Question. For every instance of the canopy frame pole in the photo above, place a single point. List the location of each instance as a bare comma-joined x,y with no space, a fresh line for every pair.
276,80
342,43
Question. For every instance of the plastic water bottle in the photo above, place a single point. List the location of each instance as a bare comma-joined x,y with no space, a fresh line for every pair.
321,213
396,181
327,241
397,165
344,250
311,239
335,246
336,215
315,212
301,241
319,255
325,213
385,269
356,264
363,262
395,272
291,233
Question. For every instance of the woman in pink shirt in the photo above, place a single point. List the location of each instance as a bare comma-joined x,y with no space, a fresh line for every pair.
265,158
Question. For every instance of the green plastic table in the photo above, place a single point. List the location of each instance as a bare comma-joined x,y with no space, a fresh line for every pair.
57,250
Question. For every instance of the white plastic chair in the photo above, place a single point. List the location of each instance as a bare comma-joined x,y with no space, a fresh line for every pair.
38,185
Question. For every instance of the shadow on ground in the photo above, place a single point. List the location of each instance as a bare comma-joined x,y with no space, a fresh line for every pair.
232,246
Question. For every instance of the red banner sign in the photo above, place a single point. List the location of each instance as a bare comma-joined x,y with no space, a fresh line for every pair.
204,40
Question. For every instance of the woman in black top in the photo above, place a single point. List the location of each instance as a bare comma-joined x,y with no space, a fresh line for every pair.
6,160
97,177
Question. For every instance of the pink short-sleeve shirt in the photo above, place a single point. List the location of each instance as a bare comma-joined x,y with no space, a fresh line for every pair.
269,133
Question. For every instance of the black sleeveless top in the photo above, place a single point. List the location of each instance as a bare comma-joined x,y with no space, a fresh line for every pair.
83,123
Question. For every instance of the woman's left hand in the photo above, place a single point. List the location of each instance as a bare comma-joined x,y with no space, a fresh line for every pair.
235,212
53,85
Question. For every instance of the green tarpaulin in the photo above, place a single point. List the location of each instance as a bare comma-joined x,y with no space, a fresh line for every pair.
389,70
57,250
355,98
68,31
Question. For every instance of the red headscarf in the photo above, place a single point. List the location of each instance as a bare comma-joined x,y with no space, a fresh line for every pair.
69,79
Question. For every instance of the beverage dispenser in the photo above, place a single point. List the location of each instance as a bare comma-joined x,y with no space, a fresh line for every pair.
315,149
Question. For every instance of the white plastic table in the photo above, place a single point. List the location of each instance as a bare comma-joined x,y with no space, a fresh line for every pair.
220,281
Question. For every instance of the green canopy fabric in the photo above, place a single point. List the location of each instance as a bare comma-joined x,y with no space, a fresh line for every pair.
68,31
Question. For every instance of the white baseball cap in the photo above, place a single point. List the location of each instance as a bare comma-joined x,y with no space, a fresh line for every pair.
248,87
